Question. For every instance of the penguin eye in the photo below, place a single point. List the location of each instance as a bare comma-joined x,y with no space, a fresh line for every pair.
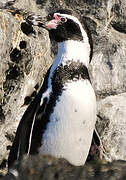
49,17
63,19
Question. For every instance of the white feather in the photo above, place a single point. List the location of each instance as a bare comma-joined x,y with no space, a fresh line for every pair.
14,172
70,51
73,50
30,136
72,123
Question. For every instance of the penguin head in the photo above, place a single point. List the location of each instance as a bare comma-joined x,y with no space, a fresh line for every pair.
62,25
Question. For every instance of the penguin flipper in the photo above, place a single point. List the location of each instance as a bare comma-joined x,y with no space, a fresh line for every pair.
22,141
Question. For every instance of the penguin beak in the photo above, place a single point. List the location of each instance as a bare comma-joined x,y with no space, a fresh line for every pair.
37,20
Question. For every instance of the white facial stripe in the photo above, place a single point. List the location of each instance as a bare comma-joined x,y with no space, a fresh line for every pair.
84,34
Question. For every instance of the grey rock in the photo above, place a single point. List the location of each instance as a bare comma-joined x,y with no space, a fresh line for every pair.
46,167
6,3
108,64
112,126
119,16
25,58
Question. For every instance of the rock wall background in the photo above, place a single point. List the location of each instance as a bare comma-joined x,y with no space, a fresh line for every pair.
25,56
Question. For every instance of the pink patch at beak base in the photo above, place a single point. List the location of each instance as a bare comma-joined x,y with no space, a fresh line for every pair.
53,23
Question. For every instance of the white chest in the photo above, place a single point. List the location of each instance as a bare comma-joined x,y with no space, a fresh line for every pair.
69,132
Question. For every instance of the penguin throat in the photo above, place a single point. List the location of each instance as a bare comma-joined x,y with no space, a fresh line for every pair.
72,50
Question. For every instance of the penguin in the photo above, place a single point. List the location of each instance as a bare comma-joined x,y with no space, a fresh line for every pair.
60,121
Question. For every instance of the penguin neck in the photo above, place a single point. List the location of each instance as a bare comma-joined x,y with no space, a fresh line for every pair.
72,50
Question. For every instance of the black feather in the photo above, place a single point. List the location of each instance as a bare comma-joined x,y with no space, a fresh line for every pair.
21,141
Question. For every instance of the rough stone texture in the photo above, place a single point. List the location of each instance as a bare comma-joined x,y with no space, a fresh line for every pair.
119,16
25,58
45,167
112,110
108,64
23,65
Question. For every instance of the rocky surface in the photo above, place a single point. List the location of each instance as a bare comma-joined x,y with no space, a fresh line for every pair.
45,167
25,57
112,111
